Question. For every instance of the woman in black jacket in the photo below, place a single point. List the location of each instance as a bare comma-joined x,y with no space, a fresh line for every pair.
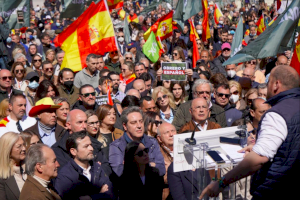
139,180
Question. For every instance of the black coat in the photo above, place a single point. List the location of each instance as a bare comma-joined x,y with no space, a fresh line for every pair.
9,189
134,189
72,184
63,156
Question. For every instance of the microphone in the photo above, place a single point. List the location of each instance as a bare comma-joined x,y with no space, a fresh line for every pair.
192,141
231,106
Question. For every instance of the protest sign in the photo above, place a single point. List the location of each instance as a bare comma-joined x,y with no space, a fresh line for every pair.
103,99
174,71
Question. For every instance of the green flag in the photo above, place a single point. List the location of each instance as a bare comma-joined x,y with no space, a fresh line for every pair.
273,39
238,38
9,10
151,49
126,30
74,8
186,9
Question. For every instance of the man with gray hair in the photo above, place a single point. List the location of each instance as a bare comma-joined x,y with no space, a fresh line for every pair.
201,89
133,124
41,166
90,74
262,90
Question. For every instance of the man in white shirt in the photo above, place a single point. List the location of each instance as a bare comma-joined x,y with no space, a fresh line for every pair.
81,177
275,156
16,121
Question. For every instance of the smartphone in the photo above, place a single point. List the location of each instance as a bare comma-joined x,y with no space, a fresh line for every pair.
216,157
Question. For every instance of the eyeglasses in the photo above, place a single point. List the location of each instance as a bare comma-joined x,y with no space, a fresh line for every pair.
221,95
4,78
93,123
202,92
130,58
235,93
49,69
157,123
161,98
88,94
39,60
141,153
174,54
19,71
251,62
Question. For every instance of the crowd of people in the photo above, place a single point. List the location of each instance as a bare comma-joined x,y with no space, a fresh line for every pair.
61,138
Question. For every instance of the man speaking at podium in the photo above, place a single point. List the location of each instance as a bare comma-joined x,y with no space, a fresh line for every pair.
275,158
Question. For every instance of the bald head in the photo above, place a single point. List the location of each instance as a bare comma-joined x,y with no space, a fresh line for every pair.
5,79
198,101
139,85
76,121
165,133
134,92
282,60
286,75
249,73
199,110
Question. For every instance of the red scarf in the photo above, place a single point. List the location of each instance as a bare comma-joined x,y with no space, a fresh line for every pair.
131,78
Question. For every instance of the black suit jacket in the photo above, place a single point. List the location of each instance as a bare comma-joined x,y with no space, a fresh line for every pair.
59,131
9,189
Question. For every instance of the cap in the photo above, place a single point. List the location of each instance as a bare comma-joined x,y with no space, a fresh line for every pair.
48,17
225,45
30,75
131,45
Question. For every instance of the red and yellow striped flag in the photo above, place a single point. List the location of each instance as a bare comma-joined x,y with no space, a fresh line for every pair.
295,63
92,32
114,4
261,26
193,37
271,22
217,13
162,28
133,18
122,13
205,23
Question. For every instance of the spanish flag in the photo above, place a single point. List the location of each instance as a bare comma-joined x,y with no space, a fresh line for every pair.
261,26
278,4
205,23
162,28
92,32
295,63
133,18
217,13
193,37
122,13
271,22
114,4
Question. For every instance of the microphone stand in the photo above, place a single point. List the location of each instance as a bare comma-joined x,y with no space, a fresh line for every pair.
192,141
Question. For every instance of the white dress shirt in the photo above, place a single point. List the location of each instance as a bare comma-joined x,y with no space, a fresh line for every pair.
272,134
11,125
202,128
87,173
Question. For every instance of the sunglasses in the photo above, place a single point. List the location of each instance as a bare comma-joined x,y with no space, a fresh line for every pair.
251,62
4,78
114,52
161,98
141,153
221,95
157,123
39,60
235,92
174,54
88,94
130,58
49,69
20,71
226,49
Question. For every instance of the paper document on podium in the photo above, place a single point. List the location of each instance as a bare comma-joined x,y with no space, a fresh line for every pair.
232,152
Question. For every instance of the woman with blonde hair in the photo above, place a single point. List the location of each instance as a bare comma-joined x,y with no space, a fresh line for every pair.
107,132
4,110
12,176
50,56
165,102
236,95
18,73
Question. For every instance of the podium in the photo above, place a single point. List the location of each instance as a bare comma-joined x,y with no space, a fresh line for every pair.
195,157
